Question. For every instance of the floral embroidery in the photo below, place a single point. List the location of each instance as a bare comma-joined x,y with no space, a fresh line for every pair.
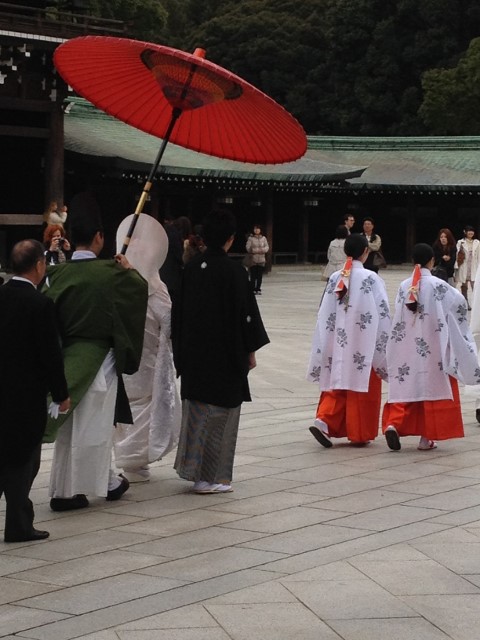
342,337
384,312
403,371
398,331
455,366
421,313
382,373
359,360
439,291
400,296
330,286
365,318
440,325
462,312
477,374
422,347
315,373
367,284
440,365
381,344
330,325
329,365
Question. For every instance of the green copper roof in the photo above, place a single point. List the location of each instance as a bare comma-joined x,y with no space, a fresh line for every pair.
437,162
91,132
411,163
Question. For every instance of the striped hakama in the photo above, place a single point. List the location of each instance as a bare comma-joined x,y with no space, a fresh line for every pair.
207,444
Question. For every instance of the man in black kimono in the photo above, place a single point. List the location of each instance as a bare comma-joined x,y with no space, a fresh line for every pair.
31,365
217,329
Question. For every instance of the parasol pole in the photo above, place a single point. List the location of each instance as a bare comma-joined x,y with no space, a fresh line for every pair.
176,113
148,184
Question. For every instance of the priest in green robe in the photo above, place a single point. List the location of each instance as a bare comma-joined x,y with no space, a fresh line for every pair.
101,307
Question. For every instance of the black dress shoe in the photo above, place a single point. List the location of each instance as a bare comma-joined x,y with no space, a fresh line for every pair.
477,415
116,494
78,501
35,535
321,437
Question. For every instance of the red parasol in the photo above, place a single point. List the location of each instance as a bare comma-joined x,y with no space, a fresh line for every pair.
179,97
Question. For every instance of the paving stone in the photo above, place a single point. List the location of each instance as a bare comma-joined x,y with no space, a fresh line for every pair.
272,621
396,559
391,628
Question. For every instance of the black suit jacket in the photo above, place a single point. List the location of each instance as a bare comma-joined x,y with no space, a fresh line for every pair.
31,365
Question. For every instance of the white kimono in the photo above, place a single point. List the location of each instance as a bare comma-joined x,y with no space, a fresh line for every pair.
427,346
153,396
152,392
351,334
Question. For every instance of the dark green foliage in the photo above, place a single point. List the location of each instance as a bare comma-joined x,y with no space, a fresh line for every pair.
342,67
451,105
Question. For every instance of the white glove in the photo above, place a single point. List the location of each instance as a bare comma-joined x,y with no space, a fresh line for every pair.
53,410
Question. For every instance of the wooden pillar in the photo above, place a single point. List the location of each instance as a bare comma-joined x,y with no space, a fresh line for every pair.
303,252
268,197
54,157
411,232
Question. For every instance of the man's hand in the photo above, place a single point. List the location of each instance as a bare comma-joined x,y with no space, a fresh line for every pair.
122,261
64,406
252,361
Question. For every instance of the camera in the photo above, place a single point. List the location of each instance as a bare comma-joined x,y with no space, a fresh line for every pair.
61,242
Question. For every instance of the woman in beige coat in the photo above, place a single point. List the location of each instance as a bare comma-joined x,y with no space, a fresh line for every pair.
257,248
468,259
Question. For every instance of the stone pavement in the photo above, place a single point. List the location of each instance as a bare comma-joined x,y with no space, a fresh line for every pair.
314,544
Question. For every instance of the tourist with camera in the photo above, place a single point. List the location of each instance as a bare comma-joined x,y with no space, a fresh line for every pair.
56,244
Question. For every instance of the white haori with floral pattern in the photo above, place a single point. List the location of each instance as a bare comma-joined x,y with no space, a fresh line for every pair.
351,334
427,346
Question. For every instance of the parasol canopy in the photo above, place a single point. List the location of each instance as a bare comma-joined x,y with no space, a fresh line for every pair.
179,97
149,85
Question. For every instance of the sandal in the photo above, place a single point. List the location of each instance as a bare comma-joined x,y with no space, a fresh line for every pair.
431,445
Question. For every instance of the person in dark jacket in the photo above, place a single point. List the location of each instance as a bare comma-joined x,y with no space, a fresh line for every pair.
217,329
445,254
31,365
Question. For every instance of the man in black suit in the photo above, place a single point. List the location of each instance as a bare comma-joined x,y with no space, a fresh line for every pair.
31,365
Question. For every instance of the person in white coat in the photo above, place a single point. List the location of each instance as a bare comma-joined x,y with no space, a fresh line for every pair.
430,347
151,391
336,252
468,260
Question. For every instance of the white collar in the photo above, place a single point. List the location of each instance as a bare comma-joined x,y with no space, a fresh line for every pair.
83,254
23,280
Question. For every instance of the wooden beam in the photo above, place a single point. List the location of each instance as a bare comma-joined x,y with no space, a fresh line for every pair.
23,132
20,219
20,104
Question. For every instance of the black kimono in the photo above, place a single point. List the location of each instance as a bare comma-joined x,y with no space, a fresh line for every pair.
216,324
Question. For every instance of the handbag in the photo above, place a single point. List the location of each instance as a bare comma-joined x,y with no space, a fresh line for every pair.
440,272
379,260
247,261
461,256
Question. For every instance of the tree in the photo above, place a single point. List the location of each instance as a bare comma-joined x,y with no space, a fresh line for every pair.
145,18
451,104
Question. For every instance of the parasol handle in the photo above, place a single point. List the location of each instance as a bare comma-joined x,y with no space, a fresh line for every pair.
176,113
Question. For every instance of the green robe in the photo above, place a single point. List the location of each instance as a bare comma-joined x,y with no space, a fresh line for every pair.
99,306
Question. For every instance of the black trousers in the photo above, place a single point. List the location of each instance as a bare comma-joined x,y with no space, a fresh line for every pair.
16,482
256,276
